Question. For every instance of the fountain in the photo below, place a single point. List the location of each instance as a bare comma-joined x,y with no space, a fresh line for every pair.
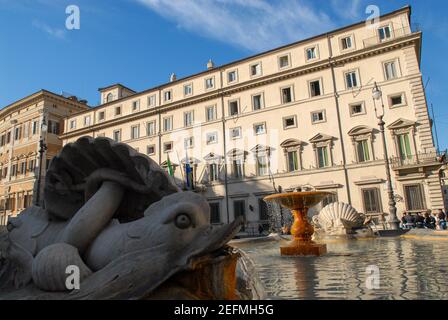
301,230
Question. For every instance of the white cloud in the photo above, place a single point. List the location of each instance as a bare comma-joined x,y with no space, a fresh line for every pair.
54,32
255,25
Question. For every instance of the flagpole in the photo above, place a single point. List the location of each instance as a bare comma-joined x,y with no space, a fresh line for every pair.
180,163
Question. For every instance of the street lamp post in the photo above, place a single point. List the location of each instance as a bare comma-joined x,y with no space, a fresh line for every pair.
42,149
393,219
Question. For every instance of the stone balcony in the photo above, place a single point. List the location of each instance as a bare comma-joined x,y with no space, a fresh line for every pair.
419,160
395,34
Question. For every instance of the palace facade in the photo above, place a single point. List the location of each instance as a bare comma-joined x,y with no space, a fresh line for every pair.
21,131
299,116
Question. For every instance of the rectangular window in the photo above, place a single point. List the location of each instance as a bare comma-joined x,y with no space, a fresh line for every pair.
32,165
36,125
118,111
315,88
23,167
2,140
72,125
209,83
371,199
17,133
152,101
311,53
117,135
167,147
215,215
318,117
283,61
356,109
135,132
362,149
212,137
101,116
414,197
135,105
8,137
234,108
404,146
213,172
263,211
235,133
257,102
390,70
237,168
188,119
53,127
189,143
255,69
346,43
287,95
384,33
168,124
259,128
293,162
262,165
151,150
210,113
151,128
322,157
188,89
289,122
239,210
232,76
87,120
351,79
397,100
167,95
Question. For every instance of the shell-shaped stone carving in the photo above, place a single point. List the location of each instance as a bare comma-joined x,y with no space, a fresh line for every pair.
81,165
50,267
338,213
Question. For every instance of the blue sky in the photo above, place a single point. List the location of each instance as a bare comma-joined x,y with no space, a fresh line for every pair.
141,42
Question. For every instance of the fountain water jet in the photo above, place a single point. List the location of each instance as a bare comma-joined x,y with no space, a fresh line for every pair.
301,230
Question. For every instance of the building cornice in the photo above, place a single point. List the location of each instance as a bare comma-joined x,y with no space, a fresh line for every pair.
405,9
34,99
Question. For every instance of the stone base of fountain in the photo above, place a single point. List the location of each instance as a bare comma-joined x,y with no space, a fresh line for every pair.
302,248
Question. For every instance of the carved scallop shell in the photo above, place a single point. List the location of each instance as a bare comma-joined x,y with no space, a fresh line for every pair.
336,212
65,180
49,270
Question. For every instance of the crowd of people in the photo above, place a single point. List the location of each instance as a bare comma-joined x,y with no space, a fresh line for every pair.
427,220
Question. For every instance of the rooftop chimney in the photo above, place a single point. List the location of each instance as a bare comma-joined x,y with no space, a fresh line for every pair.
210,64
173,77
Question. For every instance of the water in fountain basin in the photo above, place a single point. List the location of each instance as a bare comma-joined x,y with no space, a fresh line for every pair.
408,269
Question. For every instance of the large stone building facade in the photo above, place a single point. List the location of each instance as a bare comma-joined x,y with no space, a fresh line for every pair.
297,116
20,136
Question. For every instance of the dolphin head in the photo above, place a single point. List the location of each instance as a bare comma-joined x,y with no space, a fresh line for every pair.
182,220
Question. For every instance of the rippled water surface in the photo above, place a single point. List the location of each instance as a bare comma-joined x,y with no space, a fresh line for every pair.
408,269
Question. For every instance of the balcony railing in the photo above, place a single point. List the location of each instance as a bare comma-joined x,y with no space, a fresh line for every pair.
416,160
395,34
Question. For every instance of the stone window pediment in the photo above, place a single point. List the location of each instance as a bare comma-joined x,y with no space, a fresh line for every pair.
291,145
191,161
261,149
213,158
321,140
361,133
402,124
236,154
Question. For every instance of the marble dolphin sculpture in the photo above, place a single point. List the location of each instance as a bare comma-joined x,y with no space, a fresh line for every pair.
114,214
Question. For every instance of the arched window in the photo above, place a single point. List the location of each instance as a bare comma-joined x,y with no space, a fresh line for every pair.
109,97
